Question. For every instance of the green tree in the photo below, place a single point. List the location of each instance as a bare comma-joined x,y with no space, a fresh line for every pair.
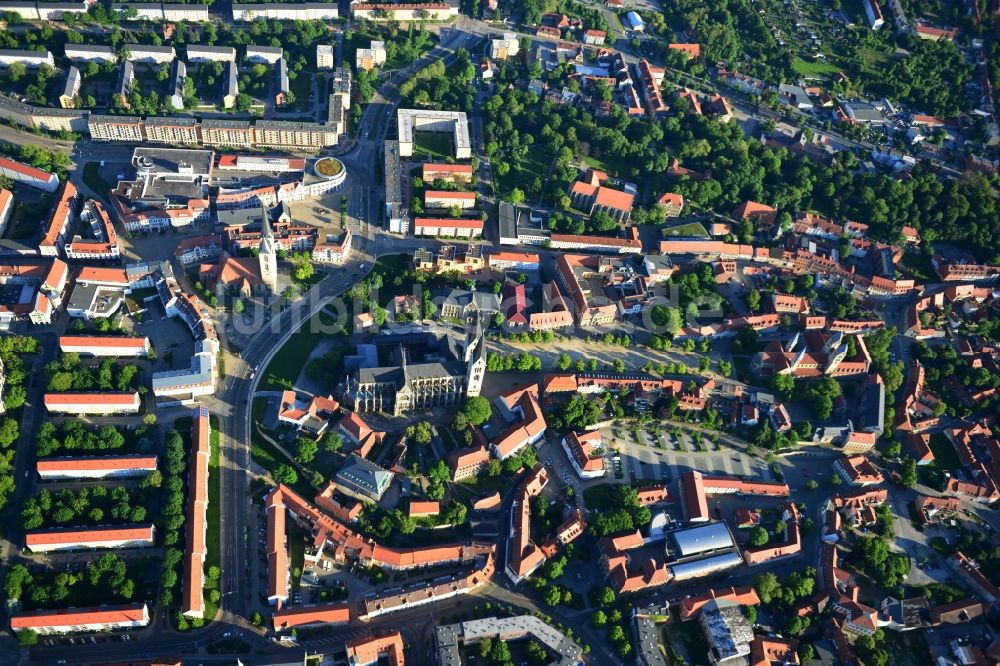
908,475
285,474
477,410
758,536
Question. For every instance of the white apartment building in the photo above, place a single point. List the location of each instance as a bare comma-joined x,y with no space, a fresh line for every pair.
92,403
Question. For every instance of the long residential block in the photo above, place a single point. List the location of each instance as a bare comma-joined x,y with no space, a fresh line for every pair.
94,345
75,538
192,601
101,618
95,467
92,403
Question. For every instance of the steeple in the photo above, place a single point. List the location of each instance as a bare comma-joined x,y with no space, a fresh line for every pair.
267,254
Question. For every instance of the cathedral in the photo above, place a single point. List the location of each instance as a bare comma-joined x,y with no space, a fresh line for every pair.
427,370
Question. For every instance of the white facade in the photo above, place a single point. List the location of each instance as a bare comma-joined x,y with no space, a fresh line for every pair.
94,538
325,57
95,467
144,53
197,380
583,474
87,52
104,618
92,403
197,53
300,11
28,58
409,121
265,54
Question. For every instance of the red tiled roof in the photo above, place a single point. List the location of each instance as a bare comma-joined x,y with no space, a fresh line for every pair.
88,535
73,617
96,463
101,341
287,618
445,194
24,169
99,274
448,223
368,650
90,398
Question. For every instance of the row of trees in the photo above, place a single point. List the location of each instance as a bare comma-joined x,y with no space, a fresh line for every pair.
12,348
74,436
87,506
65,588
523,362
624,514
67,374
172,515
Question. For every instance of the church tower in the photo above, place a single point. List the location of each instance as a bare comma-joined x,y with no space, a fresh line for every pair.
268,257
475,358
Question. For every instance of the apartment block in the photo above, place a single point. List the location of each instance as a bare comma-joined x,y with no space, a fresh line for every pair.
197,53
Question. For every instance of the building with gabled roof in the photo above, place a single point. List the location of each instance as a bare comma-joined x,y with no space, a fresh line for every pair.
92,403
523,556
857,471
95,467
65,620
97,345
192,603
585,453
690,605
467,463
311,615
363,479
77,538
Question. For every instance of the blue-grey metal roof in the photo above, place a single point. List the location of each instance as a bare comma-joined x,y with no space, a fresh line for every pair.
702,539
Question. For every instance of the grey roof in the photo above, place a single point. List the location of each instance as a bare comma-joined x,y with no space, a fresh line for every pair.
226,124
649,641
167,160
508,219
72,81
149,48
171,121
865,111
702,539
463,298
706,565
796,93
199,372
218,50
872,415
126,76
364,476
282,69
269,50
232,79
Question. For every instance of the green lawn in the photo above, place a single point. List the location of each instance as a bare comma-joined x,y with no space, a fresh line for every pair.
301,86
945,455
598,497
817,69
284,367
297,552
691,229
535,165
92,177
610,164
919,266
436,145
